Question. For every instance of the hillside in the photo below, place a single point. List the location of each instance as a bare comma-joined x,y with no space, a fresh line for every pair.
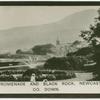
68,30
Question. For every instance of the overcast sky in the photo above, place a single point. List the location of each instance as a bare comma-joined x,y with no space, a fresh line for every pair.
16,16
12,16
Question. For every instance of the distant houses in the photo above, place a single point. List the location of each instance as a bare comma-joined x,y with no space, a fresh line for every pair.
43,52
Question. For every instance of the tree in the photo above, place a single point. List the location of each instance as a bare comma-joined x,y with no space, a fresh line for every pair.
93,37
93,34
19,51
65,63
43,49
57,63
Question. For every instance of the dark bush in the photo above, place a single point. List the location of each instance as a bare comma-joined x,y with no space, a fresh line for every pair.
65,63
30,71
49,75
7,78
57,63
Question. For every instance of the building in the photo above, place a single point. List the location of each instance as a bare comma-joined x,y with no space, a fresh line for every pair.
62,49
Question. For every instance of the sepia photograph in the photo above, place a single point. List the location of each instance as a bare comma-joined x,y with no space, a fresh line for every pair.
53,43
49,49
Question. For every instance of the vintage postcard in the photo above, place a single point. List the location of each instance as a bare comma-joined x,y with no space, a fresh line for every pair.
49,49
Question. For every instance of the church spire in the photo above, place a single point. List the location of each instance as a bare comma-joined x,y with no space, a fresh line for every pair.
57,41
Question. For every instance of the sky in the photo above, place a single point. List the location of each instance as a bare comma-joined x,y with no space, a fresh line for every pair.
16,16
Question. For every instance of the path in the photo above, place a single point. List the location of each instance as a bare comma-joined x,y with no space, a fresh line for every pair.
82,77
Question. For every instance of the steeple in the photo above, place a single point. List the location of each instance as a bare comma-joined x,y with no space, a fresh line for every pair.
57,41
58,47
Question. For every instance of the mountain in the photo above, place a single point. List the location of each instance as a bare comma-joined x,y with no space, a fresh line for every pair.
68,30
